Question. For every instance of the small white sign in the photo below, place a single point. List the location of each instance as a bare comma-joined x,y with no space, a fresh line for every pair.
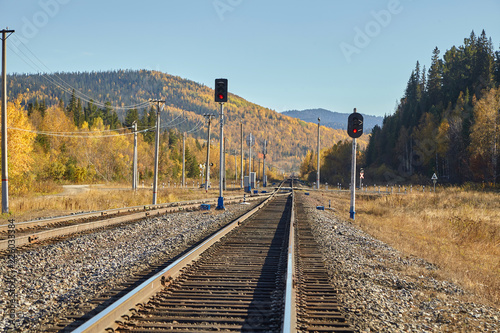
434,177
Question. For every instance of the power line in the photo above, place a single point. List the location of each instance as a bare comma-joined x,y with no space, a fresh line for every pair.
62,134
63,85
197,127
57,81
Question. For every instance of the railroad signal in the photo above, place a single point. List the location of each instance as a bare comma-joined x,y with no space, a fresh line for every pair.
221,90
355,125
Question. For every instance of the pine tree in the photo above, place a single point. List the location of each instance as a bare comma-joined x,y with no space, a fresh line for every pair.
71,108
435,79
484,65
131,117
78,114
90,112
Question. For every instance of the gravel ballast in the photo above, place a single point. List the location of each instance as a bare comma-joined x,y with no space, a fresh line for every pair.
381,290
53,278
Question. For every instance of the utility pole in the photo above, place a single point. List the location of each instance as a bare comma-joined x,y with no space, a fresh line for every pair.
264,178
157,147
134,165
241,150
5,172
207,178
183,159
317,176
250,140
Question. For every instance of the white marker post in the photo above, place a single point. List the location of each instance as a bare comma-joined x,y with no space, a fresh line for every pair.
434,180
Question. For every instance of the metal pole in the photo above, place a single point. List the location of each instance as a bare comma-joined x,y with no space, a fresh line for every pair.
352,210
317,176
134,166
264,180
250,158
5,172
157,148
183,160
220,202
241,149
207,178
224,164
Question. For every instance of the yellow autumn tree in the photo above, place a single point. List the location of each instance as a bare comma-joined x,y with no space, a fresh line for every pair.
485,136
20,141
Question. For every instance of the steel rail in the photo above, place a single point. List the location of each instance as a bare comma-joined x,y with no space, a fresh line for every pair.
41,222
290,310
28,237
106,318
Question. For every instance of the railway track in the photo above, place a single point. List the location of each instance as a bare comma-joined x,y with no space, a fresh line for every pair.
236,286
318,308
31,232
247,280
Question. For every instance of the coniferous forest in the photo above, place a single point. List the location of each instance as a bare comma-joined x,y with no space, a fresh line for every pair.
447,122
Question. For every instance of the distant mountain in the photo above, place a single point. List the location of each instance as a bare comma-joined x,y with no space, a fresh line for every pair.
335,120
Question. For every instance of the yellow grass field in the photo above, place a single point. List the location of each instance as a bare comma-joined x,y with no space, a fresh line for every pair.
457,230
99,197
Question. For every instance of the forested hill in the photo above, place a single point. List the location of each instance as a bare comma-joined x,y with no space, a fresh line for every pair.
186,103
446,123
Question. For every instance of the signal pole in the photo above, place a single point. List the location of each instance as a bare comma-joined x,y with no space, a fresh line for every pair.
354,130
220,202
352,209
5,172
224,181
157,148
221,97
207,178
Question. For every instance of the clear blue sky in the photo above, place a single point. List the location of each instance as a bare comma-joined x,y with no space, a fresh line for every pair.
279,54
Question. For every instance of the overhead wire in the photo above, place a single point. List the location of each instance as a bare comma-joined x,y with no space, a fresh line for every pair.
66,87
196,128
63,134
63,85
98,131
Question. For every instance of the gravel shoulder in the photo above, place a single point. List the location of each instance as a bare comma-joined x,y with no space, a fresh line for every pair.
55,279
382,290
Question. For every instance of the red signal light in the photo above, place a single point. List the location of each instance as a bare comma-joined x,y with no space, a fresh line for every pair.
355,131
220,90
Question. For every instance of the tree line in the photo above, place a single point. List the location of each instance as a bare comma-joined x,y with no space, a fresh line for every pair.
56,136
447,122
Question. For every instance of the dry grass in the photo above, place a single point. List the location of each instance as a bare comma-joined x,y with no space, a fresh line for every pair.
97,198
455,229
